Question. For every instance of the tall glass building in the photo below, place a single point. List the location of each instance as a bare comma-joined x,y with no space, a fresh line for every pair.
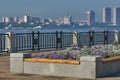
107,15
116,16
90,18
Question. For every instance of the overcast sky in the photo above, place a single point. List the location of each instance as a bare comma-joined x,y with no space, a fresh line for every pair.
55,8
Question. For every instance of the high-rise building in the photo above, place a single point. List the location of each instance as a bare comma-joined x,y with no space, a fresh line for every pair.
90,18
27,18
35,20
5,19
16,19
107,15
67,20
116,16
10,19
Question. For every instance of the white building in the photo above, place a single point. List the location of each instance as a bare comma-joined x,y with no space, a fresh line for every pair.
10,19
67,20
5,19
27,18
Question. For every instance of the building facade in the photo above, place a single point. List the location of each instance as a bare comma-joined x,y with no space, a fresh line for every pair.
27,18
90,18
10,19
35,20
116,16
5,19
107,15
67,20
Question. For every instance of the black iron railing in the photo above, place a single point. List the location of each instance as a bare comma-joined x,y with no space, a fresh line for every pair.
55,40
3,43
95,38
47,40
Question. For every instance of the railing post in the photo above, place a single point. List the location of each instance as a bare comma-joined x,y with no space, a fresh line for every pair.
61,33
56,39
33,40
93,37
38,40
116,36
90,38
104,38
10,42
75,39
107,36
78,39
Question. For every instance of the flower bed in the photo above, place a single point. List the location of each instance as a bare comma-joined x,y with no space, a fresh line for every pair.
74,53
103,60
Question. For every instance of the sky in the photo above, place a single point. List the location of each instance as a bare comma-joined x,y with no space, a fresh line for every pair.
55,8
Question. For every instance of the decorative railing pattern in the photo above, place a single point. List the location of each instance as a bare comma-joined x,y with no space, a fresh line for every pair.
13,42
2,43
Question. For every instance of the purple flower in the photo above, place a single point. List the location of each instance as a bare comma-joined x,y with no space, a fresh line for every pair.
76,47
73,56
100,54
41,56
36,56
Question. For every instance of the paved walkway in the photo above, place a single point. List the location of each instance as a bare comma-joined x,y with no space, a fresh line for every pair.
6,75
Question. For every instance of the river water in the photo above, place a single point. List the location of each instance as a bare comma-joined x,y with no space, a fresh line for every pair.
80,29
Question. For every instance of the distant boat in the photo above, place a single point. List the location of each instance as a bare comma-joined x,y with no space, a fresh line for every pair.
9,26
37,27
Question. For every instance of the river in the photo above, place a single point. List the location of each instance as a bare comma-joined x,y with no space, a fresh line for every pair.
80,29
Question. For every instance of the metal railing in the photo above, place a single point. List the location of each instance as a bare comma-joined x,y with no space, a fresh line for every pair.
54,40
47,40
23,41
95,38
3,43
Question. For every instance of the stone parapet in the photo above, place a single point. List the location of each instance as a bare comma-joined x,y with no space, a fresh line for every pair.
90,67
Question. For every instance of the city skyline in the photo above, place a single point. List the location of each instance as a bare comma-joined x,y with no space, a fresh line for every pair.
55,8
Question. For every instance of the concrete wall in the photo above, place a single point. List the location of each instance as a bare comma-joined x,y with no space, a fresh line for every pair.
17,62
110,68
89,67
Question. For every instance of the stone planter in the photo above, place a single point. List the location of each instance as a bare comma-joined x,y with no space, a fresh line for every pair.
111,59
88,67
60,61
